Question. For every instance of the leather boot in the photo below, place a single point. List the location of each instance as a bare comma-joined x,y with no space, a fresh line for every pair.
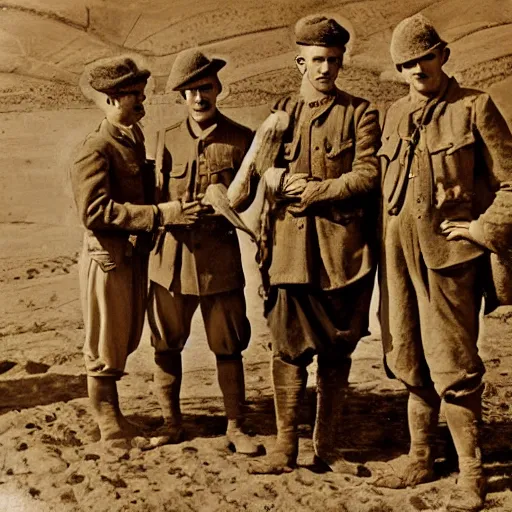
463,416
418,466
331,387
167,385
104,402
289,383
230,373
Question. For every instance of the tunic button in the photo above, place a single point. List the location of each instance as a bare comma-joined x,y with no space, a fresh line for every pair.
317,148
418,200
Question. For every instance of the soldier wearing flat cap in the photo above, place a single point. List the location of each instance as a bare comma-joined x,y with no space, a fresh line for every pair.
447,201
321,256
199,265
113,189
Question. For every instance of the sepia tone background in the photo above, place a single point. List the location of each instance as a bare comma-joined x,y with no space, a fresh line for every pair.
49,456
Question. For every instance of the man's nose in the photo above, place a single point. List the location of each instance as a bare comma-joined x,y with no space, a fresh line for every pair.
324,68
417,68
198,96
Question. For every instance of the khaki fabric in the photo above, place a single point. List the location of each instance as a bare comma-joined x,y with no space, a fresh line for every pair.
224,314
113,187
113,305
429,318
182,257
331,243
305,322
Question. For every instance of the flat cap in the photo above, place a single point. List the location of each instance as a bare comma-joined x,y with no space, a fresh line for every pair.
115,73
191,65
413,38
318,30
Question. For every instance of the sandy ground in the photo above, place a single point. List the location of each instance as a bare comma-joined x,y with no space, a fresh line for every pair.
50,458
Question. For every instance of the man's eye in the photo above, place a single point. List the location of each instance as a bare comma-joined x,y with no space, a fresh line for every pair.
410,64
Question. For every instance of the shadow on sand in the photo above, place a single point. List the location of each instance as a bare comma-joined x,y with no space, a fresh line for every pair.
373,428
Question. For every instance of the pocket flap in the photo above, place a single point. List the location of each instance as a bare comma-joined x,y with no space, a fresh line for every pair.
332,151
390,147
222,164
450,145
103,259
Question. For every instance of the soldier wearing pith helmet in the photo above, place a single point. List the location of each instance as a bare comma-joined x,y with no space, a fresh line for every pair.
447,176
113,188
197,261
321,230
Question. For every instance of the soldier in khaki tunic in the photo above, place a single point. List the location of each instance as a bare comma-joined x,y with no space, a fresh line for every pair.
113,189
446,185
199,265
321,257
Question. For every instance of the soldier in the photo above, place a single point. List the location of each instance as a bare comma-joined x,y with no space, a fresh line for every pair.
320,262
199,264
447,176
113,189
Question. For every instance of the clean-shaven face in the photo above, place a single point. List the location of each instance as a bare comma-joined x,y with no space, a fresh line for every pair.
425,74
321,65
201,99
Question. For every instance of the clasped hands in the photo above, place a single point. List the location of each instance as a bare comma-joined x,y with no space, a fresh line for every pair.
291,188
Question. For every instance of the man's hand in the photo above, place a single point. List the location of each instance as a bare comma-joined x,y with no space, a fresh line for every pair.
179,213
305,199
294,185
457,230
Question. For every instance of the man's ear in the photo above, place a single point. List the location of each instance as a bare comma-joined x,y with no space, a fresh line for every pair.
446,55
300,62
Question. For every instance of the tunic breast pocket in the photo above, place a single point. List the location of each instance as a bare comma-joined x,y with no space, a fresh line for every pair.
453,159
338,157
221,170
177,181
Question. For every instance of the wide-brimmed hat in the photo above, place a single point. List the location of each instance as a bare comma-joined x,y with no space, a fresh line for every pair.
115,73
316,30
413,38
191,65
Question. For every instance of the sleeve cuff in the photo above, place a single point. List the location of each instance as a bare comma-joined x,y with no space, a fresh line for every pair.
476,231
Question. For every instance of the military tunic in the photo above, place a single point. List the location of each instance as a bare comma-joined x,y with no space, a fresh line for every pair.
113,188
322,260
446,159
200,264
